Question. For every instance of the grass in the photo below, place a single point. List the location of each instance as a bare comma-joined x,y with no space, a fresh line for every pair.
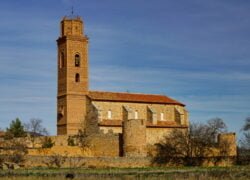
234,172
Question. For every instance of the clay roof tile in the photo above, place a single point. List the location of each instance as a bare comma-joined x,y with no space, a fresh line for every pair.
132,97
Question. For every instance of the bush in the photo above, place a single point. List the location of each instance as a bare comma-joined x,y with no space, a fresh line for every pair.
55,161
16,151
81,138
71,141
47,143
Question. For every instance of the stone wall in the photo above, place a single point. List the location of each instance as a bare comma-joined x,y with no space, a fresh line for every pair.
143,109
36,142
98,145
155,135
69,151
104,150
95,146
91,162
108,162
227,144
134,138
104,145
174,117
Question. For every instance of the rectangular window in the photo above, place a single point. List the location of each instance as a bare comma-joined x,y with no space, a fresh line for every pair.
162,116
109,114
136,115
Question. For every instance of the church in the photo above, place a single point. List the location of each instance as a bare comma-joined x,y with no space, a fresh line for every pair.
79,108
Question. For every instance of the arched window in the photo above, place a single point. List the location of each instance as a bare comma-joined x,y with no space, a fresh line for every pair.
77,78
77,60
61,61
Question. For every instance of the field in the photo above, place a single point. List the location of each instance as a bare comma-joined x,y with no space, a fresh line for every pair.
152,173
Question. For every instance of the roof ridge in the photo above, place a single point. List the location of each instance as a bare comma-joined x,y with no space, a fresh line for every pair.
129,93
133,97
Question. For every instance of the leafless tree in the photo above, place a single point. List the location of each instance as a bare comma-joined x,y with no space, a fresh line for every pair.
190,147
244,145
246,126
173,151
245,141
214,127
35,127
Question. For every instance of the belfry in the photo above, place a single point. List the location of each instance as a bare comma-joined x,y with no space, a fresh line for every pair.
72,76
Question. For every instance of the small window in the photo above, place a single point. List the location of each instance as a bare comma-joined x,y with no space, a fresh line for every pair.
77,60
162,116
136,115
109,114
77,78
61,60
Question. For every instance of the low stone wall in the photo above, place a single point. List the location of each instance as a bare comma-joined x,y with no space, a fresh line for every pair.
109,162
104,145
69,151
36,142
90,162
99,144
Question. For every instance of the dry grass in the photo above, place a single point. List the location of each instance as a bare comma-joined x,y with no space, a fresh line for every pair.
150,173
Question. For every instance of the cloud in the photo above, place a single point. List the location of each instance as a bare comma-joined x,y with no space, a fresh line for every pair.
194,51
150,75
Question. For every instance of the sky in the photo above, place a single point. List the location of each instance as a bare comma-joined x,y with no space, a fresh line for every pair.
195,51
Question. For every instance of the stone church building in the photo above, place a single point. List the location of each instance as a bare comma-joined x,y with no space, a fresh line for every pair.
81,108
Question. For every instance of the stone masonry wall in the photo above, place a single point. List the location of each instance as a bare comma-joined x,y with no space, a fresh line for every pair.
169,111
109,162
134,138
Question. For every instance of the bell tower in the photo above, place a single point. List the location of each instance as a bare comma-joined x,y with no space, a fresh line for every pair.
72,76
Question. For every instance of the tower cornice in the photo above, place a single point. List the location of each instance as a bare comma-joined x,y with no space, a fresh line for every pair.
71,37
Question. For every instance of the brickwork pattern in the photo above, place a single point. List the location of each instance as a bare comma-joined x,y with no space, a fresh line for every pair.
72,100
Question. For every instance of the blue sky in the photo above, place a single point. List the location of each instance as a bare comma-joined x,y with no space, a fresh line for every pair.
194,51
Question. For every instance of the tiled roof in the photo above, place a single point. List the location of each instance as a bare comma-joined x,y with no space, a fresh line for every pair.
160,124
132,97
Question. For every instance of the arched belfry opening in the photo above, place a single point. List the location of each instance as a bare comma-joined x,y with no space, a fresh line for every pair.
77,60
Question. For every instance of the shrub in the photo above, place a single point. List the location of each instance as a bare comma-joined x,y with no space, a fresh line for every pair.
16,151
47,143
71,141
55,161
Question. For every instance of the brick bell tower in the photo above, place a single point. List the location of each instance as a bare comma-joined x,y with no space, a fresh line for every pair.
72,76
